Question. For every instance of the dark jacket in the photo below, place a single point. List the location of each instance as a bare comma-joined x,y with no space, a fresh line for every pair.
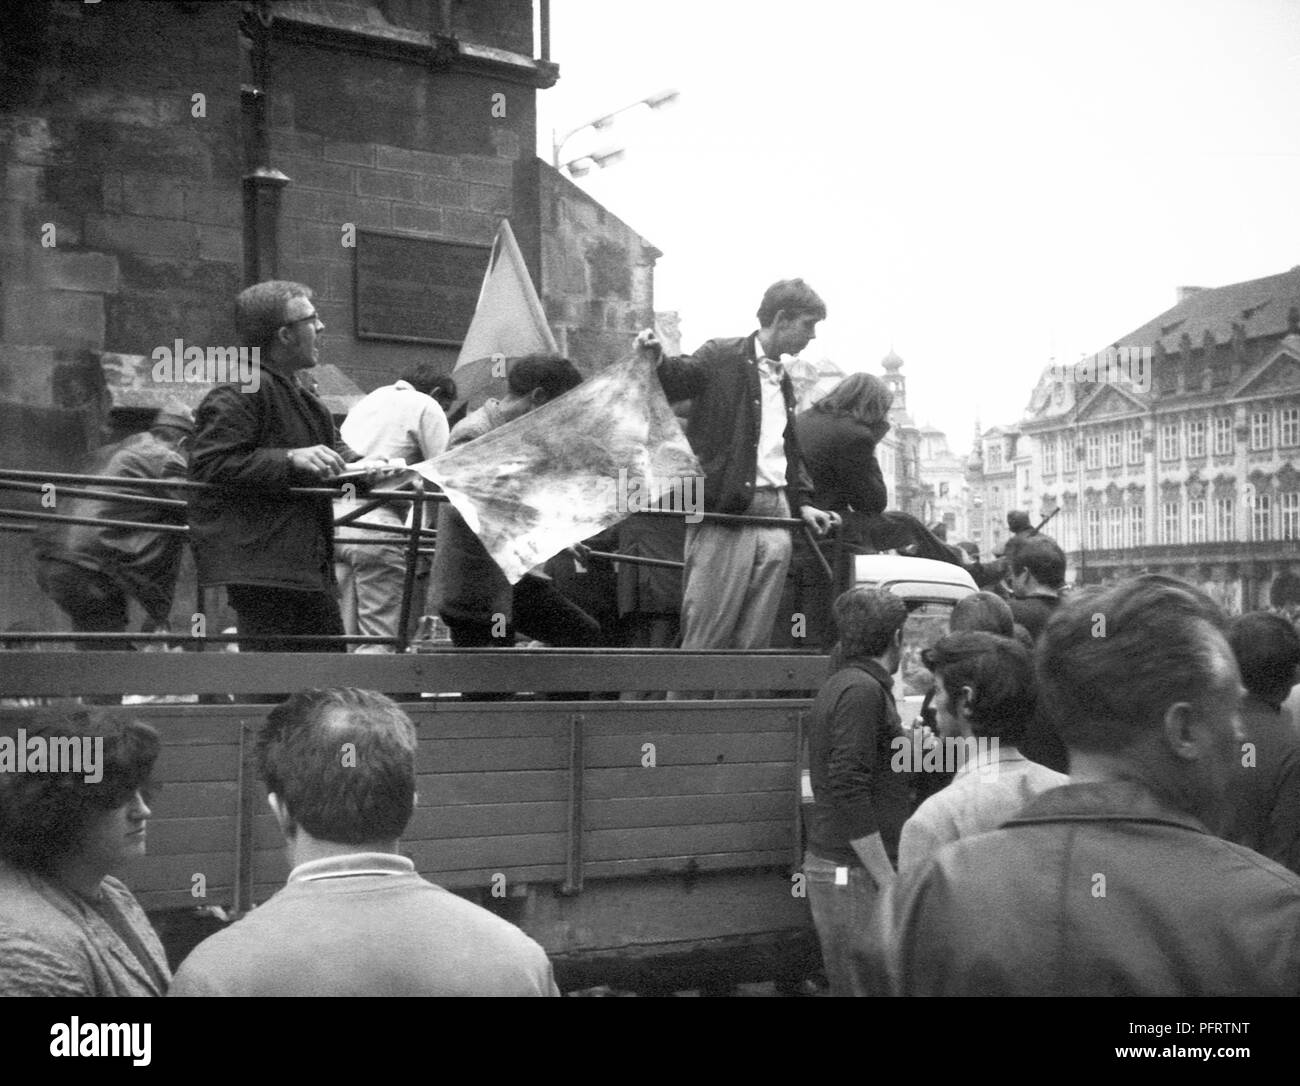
256,532
722,378
1020,910
856,791
1266,789
840,455
1032,612
141,562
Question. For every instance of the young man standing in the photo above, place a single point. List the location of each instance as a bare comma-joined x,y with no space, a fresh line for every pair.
859,802
742,430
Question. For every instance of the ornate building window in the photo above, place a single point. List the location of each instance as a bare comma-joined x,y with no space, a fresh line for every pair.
1260,516
1114,527
1136,526
1114,448
1093,516
1196,521
1195,437
1169,441
1288,508
1288,426
995,458
1049,456
1225,519
1223,439
1134,438
1092,451
1067,454
1261,430
1169,522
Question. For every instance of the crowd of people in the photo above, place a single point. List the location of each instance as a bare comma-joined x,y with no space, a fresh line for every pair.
1167,861
295,581
1134,827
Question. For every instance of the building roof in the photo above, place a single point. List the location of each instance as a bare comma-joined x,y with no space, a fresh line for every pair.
1263,307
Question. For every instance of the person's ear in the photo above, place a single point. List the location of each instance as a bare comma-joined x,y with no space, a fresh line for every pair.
898,639
281,813
965,695
1183,731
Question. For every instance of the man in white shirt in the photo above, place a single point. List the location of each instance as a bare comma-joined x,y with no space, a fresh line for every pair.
985,701
401,420
742,430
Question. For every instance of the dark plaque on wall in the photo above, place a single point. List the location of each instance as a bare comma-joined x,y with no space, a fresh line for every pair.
416,290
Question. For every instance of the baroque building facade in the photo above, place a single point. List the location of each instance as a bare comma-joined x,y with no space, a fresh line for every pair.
1177,451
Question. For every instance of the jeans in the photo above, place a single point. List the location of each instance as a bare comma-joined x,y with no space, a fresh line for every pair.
841,914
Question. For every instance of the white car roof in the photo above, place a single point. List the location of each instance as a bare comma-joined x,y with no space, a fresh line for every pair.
912,577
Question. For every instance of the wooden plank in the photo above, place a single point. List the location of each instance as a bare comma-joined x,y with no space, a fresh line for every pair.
177,872
197,763
674,749
194,799
688,865
181,836
651,842
183,725
484,820
454,719
688,780
63,674
610,814
491,755
535,786
498,853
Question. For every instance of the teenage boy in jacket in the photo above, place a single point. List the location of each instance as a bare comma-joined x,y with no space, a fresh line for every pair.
742,430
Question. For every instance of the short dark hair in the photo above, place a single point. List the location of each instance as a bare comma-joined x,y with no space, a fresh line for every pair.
1043,558
551,373
44,817
1112,660
343,762
424,377
867,619
1018,520
982,611
794,297
260,310
1000,673
1267,649
443,388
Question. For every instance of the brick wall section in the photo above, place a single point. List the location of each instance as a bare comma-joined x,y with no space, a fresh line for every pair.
597,275
97,138
391,146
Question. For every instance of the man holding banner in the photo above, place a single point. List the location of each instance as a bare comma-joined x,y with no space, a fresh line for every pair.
742,430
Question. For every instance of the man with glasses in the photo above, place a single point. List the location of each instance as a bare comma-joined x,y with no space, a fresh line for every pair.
273,550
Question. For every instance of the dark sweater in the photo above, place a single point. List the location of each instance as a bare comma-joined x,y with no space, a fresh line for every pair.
850,749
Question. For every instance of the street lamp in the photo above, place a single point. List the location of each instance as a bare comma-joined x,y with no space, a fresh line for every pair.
605,120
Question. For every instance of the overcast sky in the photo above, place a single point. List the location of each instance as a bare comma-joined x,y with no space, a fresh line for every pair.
985,186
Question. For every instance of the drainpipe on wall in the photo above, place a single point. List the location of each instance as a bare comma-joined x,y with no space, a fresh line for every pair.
262,183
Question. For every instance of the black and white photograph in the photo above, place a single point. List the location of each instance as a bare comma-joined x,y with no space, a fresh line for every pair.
651,501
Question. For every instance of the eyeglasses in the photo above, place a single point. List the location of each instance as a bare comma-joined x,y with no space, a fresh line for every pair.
299,320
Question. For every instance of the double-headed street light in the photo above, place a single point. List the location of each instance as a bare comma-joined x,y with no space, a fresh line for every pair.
585,163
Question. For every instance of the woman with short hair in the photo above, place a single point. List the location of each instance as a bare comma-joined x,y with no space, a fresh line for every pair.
68,926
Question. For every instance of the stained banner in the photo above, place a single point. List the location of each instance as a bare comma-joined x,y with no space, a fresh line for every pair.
571,468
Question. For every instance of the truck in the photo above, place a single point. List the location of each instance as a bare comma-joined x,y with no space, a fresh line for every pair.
647,845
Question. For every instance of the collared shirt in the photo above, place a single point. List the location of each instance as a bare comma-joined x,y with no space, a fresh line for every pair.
393,421
771,433
350,865
979,798
365,924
